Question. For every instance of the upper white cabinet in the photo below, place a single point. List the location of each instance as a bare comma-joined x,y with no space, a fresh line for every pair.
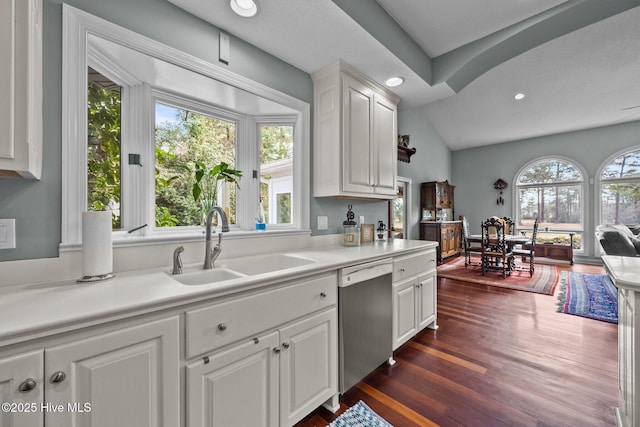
21,88
355,135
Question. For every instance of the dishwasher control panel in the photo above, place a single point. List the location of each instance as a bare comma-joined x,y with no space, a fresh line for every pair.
359,273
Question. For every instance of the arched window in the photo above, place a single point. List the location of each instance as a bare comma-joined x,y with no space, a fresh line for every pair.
620,189
551,190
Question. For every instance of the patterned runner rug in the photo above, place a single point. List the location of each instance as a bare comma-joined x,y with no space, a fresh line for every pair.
359,415
544,279
588,295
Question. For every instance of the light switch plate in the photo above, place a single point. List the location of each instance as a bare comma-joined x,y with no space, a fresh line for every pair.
7,233
323,222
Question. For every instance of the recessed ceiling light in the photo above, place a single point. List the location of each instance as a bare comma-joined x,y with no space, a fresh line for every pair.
245,8
519,96
394,81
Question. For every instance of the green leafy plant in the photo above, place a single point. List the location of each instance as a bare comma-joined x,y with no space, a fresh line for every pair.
208,181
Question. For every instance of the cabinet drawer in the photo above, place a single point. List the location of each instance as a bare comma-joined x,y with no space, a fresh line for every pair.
223,323
413,264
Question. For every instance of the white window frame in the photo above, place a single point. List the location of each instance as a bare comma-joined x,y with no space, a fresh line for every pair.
598,187
280,121
78,27
584,195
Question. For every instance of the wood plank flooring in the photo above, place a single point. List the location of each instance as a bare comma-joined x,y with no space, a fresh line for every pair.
500,358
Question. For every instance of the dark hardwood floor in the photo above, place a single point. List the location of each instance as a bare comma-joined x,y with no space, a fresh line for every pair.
499,358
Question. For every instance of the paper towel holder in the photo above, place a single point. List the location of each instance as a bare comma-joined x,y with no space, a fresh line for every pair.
98,278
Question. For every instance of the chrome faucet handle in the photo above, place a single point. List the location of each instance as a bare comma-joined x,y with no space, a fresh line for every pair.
177,261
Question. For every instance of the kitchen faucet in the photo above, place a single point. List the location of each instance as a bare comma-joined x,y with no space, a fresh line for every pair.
210,255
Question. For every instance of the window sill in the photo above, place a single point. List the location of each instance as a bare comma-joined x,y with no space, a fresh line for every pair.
123,240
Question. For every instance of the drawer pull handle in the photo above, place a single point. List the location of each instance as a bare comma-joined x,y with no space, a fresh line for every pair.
323,294
27,385
402,270
256,340
222,326
58,377
286,344
276,350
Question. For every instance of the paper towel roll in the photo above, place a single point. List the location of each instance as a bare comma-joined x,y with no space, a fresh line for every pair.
97,251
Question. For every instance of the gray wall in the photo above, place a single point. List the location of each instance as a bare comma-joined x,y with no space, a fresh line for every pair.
431,162
475,170
36,205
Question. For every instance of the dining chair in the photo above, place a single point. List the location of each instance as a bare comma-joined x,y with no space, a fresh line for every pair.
471,249
527,250
496,254
508,223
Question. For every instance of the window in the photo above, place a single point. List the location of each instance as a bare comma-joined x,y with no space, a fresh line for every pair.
138,115
551,190
620,189
276,171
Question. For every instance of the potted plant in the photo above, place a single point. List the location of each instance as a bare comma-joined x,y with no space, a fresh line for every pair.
208,181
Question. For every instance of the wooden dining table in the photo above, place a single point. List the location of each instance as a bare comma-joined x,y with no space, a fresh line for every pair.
511,239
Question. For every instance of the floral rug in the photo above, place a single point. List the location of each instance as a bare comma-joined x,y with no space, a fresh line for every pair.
544,279
359,415
588,295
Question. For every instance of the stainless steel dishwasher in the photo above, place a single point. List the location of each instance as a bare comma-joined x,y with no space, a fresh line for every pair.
365,320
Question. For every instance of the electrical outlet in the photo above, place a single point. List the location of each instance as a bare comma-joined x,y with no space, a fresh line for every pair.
323,222
7,233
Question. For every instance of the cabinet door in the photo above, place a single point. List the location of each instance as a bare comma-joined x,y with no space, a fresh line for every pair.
357,167
385,151
445,241
404,311
426,300
236,387
21,384
129,377
21,88
308,365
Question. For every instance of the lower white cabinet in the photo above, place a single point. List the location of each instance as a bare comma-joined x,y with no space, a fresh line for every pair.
267,359
126,378
21,388
414,295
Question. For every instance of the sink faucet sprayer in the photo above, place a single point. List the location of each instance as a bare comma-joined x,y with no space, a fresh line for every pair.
210,255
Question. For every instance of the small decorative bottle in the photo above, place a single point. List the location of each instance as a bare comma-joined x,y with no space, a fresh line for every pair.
381,232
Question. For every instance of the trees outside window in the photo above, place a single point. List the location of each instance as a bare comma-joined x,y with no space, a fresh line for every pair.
552,191
620,190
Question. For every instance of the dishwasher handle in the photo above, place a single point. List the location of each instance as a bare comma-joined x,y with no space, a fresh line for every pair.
360,273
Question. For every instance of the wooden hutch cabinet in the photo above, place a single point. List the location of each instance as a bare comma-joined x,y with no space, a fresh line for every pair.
437,198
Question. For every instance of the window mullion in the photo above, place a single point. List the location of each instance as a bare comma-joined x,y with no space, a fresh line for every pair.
138,179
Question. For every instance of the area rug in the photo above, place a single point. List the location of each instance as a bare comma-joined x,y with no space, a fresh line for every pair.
588,295
544,279
359,415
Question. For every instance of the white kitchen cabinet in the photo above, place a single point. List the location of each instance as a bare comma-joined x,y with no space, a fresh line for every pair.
355,135
308,365
21,88
237,386
22,387
273,356
127,378
414,295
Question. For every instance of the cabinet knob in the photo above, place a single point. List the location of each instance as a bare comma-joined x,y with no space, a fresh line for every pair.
58,377
276,350
27,385
222,326
323,294
256,340
402,270
286,344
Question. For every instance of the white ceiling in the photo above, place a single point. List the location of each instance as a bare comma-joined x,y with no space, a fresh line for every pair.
575,77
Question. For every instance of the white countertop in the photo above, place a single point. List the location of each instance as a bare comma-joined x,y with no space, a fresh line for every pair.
623,270
31,310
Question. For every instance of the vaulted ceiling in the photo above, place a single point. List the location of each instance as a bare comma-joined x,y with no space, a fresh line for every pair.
576,61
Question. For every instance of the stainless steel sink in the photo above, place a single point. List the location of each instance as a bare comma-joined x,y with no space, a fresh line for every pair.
198,276
259,264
